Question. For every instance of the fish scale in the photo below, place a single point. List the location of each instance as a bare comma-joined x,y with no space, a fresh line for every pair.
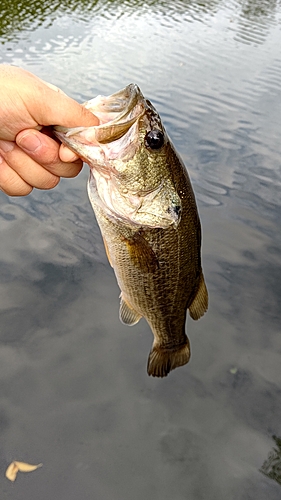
154,249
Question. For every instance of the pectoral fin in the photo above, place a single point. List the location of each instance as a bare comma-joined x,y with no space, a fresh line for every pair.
141,253
200,303
107,251
128,316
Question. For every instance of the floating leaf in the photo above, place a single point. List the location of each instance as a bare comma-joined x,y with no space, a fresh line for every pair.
15,467
11,472
23,467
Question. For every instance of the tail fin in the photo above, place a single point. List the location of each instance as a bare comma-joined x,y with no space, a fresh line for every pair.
162,360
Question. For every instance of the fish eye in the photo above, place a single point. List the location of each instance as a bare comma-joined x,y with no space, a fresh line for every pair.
154,139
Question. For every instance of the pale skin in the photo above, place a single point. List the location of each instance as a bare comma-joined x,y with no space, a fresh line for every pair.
29,157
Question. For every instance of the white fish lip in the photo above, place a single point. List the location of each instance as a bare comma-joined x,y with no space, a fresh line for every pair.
120,102
118,115
128,104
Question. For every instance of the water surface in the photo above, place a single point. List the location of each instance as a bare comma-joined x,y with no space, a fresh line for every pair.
74,393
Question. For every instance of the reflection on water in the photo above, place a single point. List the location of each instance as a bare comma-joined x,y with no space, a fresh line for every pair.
73,387
18,16
254,18
272,466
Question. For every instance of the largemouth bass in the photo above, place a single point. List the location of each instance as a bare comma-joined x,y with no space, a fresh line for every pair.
146,210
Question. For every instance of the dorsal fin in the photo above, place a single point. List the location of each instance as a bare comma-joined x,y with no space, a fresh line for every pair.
200,302
128,316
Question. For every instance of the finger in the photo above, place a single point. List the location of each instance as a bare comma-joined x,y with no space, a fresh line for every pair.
45,103
66,155
31,172
53,87
57,108
45,151
11,183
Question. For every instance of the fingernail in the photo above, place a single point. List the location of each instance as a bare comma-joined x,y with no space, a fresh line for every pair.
7,146
30,142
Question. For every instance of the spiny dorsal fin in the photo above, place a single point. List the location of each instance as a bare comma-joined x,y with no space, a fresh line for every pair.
162,360
127,314
200,303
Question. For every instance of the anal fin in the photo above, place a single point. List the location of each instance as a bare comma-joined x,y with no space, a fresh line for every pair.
162,360
200,302
128,316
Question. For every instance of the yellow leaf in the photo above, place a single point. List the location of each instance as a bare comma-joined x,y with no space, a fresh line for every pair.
15,467
11,472
23,467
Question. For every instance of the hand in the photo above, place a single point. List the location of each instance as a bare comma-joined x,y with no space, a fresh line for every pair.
29,155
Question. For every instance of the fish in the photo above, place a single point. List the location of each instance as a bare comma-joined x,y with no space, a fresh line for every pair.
145,206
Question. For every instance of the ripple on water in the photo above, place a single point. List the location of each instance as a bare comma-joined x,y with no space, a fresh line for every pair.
212,69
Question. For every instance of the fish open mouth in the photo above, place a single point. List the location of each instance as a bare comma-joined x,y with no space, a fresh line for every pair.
122,160
117,113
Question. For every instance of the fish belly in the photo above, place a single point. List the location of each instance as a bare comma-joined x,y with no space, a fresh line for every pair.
159,275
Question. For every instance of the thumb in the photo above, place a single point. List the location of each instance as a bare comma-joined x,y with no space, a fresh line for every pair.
56,108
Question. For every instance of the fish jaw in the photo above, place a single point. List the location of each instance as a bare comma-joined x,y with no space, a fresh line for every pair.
91,144
120,164
116,107
116,113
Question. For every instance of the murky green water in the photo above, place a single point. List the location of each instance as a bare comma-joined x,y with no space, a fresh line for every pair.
74,393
